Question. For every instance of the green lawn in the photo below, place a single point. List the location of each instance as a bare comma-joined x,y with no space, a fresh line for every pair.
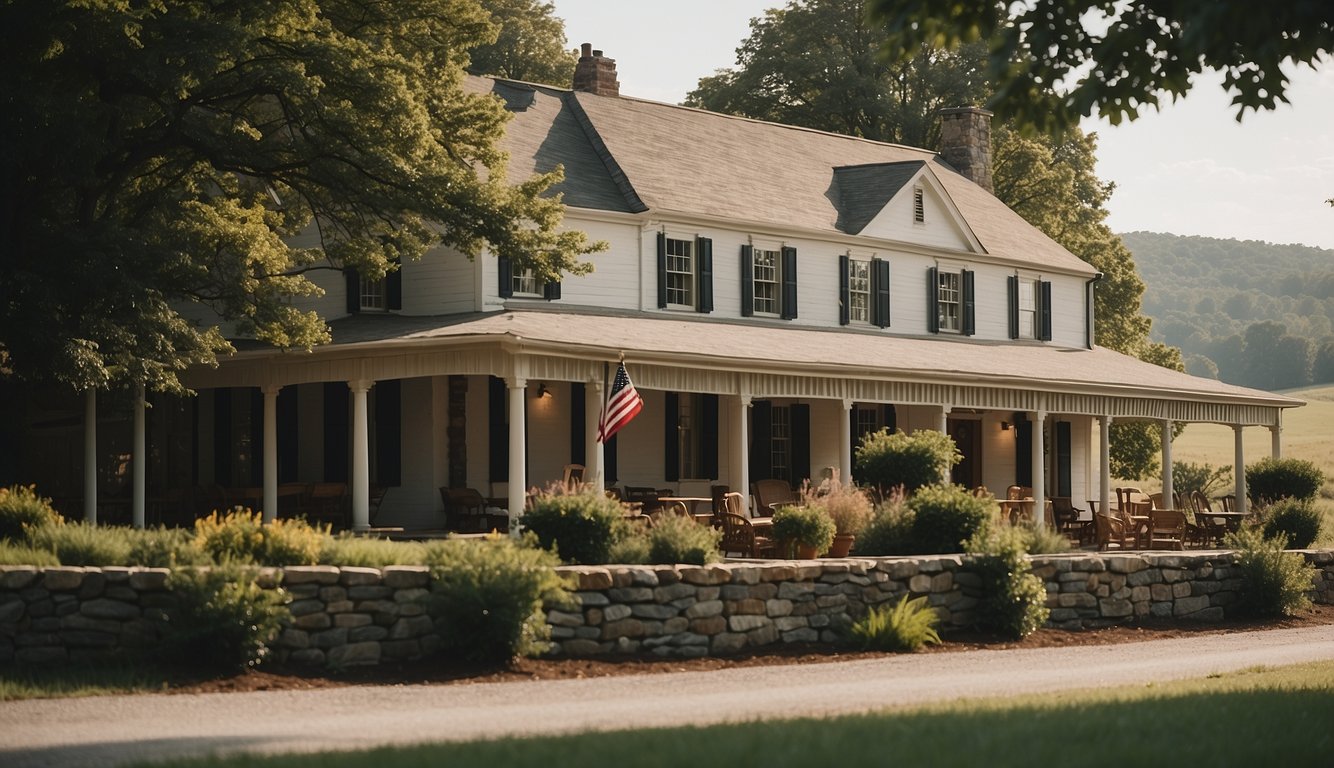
1279,716
43,682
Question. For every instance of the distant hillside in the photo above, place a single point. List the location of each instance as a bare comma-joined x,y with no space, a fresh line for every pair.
1244,311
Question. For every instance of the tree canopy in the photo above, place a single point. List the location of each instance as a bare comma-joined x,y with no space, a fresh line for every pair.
1055,61
159,154
530,44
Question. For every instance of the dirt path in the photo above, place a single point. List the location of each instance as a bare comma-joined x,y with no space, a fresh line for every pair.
109,731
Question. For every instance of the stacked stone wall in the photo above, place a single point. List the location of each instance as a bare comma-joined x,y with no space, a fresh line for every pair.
346,616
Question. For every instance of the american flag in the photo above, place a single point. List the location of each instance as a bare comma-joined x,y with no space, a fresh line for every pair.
623,404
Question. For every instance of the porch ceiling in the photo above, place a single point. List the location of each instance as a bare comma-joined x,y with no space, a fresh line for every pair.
757,358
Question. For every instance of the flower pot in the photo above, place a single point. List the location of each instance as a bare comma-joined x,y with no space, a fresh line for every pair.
806,552
842,545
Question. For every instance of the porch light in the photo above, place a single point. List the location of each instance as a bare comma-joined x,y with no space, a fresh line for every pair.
1005,426
542,390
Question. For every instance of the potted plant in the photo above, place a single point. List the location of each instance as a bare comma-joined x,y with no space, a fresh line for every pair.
803,532
847,505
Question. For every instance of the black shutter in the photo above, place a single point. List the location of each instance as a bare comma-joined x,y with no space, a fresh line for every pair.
747,281
844,296
704,253
662,270
1044,309
1023,450
222,436
393,287
578,410
969,311
761,431
801,443
671,457
353,281
257,436
789,283
1012,283
551,290
499,459
289,435
194,441
609,460
933,300
505,277
389,432
889,417
335,431
1063,453
708,435
880,291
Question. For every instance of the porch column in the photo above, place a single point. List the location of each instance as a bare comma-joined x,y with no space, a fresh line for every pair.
90,457
1039,445
138,460
1105,464
1169,501
741,449
594,451
944,427
271,451
845,445
518,482
1239,470
1275,441
361,457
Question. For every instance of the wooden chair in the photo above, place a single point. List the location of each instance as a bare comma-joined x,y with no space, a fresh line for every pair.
1137,516
573,476
465,509
739,536
1066,517
377,494
1167,529
327,503
768,493
1212,529
1112,532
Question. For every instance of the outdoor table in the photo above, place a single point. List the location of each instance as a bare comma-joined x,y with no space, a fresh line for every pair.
1015,510
691,506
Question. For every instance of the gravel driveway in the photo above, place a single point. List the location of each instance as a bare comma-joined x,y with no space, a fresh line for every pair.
112,730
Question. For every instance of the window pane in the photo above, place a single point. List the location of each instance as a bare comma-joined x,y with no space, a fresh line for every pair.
680,272
780,441
859,291
372,294
766,281
525,283
947,301
1027,309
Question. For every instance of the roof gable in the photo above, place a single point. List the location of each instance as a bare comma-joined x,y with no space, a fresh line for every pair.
881,202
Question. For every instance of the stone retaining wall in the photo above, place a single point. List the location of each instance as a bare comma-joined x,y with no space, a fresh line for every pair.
346,616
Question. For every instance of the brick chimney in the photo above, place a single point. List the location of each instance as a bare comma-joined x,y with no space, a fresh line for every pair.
596,73
965,143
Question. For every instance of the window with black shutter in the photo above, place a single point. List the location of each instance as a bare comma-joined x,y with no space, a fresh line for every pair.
880,292
1044,310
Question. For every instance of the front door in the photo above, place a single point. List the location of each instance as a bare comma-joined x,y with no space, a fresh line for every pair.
967,436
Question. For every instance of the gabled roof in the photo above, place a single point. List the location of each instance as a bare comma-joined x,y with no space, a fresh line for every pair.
630,155
863,190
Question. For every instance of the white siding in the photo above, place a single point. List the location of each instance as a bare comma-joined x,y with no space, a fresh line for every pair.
939,230
441,282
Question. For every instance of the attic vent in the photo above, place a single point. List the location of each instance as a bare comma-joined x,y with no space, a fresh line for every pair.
918,207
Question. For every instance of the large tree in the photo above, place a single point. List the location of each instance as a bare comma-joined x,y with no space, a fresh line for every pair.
817,63
530,44
1055,61
158,154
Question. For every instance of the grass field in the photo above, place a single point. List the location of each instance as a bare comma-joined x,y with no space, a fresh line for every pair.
1277,716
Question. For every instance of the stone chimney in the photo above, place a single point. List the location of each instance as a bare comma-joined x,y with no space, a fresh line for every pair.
965,142
596,73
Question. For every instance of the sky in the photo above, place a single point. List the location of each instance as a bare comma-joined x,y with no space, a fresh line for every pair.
1190,169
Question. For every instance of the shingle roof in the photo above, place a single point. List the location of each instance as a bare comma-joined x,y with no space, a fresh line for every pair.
863,190
625,154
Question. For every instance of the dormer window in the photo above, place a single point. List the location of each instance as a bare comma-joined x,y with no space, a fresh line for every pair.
918,206
373,295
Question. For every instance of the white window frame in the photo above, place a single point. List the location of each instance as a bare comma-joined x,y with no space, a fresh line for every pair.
949,293
373,295
780,442
523,284
867,421
682,282
688,437
766,305
1028,315
859,287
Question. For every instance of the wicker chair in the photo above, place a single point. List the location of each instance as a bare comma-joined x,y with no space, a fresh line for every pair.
1112,532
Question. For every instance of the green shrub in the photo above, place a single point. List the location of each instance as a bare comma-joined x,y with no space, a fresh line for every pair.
1270,479
947,516
363,552
25,554
163,548
1208,480
1013,599
1274,582
847,505
675,539
907,626
1297,520
1041,540
579,525
630,548
22,509
803,526
890,530
83,544
241,536
221,619
487,594
887,461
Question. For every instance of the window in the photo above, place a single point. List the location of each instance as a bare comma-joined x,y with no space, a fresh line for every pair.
1028,309
525,284
780,443
687,435
691,448
949,301
918,206
373,294
766,281
868,421
680,273
859,291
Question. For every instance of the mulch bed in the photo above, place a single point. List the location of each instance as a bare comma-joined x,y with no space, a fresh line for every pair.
444,671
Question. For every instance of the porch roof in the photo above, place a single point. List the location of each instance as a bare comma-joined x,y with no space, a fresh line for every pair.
693,353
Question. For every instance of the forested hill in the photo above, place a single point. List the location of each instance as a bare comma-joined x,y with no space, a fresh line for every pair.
1247,312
